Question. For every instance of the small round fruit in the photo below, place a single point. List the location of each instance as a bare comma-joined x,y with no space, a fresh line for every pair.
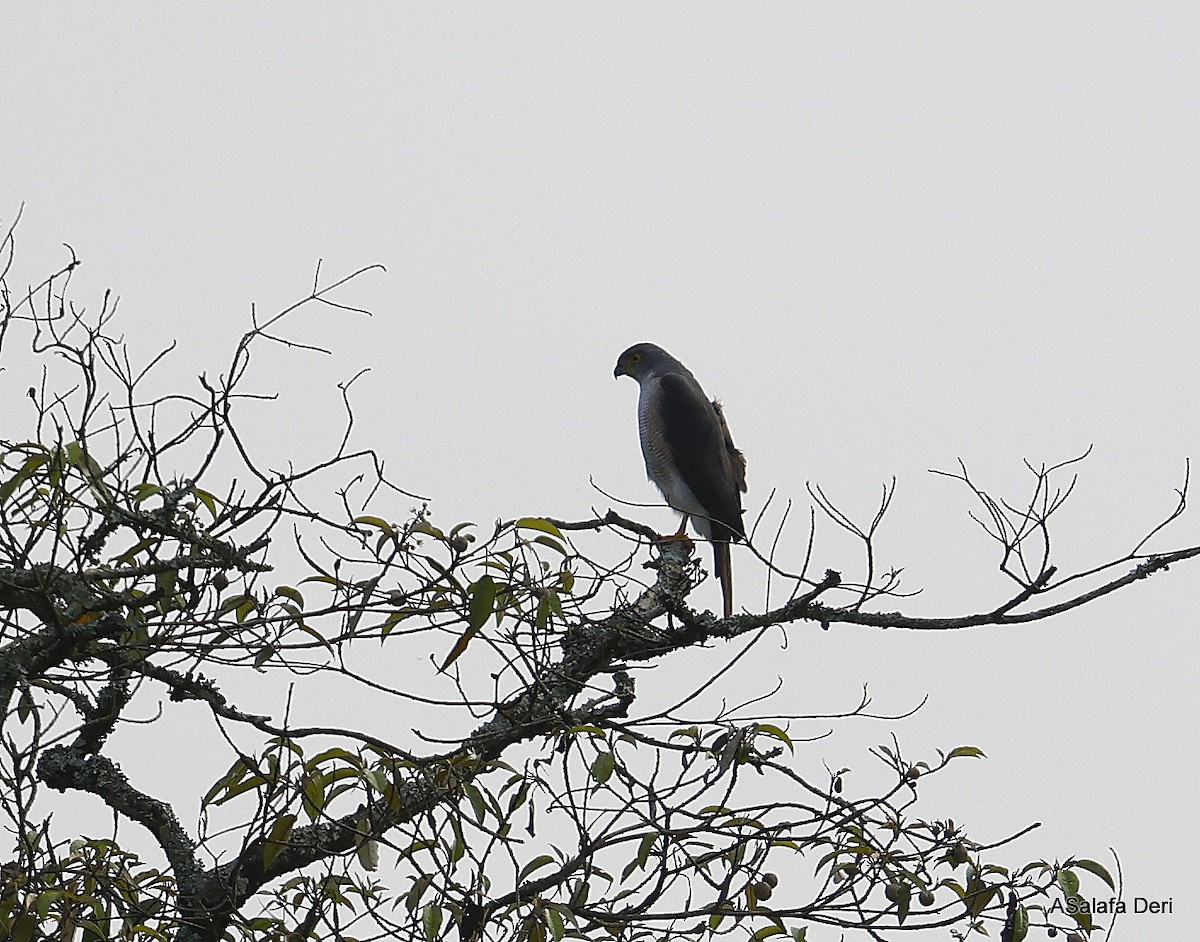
763,890
771,879
926,898
959,855
893,892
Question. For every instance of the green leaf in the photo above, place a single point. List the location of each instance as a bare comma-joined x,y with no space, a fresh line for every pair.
368,854
394,619
27,469
1082,916
644,848
552,543
413,898
207,499
141,546
579,894
25,705
377,778
767,931
424,526
165,581
298,622
602,767
368,589
281,833
333,752
1099,870
482,595
982,896
476,800
537,863
229,784
431,921
1020,927
142,491
539,523
377,522
481,598
48,898
554,922
77,455
328,580
777,733
23,928
314,795
973,752
518,798
287,592
1069,882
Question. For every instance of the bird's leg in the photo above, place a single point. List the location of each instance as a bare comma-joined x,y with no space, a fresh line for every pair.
680,535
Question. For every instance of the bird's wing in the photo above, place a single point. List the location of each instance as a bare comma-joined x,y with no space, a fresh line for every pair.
695,436
737,459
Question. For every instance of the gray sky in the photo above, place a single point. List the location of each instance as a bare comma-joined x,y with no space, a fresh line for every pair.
887,238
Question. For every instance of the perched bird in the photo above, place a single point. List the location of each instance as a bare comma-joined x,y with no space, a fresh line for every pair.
689,453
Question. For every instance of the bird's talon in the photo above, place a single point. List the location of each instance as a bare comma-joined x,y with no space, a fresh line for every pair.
683,538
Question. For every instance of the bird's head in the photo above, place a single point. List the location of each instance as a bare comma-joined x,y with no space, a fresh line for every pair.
641,359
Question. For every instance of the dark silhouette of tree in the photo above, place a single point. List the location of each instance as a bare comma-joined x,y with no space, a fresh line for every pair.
506,778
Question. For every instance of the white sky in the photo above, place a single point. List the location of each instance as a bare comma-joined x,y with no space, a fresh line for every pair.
886,237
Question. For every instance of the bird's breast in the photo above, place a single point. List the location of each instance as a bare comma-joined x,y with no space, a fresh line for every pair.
660,464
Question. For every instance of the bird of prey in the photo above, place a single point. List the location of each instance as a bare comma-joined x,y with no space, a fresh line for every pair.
689,453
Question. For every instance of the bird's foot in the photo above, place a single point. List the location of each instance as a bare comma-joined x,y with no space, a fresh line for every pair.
681,538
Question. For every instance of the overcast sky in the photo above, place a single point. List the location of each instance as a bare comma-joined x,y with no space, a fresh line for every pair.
886,236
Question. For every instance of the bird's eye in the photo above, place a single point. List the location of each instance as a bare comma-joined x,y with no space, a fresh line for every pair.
634,357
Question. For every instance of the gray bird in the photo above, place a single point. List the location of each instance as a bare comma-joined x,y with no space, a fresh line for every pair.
689,453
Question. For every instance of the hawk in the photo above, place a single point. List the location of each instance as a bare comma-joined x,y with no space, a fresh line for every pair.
689,453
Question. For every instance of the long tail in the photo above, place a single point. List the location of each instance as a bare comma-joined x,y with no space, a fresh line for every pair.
724,568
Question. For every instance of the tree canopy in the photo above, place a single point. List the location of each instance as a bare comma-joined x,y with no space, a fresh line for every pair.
467,750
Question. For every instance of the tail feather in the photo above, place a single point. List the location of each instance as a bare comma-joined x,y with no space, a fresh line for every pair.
722,564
